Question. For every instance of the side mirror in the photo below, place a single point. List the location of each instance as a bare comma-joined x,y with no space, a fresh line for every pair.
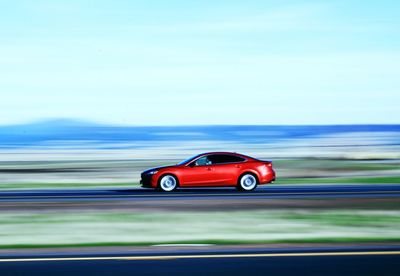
192,164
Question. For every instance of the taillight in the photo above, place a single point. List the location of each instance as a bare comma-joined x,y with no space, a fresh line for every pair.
269,164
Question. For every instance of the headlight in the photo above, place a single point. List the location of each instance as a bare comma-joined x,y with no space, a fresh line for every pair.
153,172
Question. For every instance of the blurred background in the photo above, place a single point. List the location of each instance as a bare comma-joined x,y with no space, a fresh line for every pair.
62,153
95,92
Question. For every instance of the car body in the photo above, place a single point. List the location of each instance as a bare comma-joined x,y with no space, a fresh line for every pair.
212,169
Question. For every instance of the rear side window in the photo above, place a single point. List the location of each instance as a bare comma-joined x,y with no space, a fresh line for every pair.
225,158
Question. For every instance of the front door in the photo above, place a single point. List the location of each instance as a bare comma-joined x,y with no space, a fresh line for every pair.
200,172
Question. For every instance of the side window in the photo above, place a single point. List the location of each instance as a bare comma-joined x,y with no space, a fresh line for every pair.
203,161
225,158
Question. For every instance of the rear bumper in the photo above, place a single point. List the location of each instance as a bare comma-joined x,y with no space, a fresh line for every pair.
268,178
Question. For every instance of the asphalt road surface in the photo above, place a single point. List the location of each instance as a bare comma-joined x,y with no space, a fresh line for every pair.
311,261
263,192
205,199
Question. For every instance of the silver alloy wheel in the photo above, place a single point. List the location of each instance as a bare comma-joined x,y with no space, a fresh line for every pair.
168,183
248,182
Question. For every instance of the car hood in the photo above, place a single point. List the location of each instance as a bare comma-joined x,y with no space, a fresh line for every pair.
158,168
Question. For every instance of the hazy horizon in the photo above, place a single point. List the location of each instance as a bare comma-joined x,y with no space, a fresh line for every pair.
78,121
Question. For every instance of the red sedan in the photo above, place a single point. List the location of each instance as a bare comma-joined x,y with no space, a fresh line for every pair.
211,170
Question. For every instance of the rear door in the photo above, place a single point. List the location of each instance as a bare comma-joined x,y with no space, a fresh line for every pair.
226,168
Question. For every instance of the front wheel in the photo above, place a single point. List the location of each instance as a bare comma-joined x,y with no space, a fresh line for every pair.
247,182
168,183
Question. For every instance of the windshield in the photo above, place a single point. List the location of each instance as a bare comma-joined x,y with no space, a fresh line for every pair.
188,160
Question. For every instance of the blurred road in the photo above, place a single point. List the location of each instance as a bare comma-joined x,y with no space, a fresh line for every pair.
350,260
206,199
265,192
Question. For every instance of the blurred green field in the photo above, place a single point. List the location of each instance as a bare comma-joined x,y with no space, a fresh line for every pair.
344,180
112,228
280,181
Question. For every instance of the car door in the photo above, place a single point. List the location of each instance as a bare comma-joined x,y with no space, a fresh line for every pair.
199,173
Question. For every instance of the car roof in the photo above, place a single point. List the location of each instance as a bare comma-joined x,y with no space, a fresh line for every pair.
220,152
227,152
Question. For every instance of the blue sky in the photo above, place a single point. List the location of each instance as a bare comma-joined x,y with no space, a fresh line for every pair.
200,62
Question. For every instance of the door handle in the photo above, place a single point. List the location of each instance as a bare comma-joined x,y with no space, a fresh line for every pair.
238,166
209,169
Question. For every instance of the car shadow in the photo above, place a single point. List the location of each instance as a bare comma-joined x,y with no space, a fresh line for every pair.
177,191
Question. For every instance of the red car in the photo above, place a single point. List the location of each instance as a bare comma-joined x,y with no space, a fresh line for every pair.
211,170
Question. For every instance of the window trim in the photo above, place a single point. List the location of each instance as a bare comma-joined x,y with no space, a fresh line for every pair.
238,162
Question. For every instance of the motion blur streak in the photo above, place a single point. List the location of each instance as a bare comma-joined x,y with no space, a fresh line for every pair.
169,257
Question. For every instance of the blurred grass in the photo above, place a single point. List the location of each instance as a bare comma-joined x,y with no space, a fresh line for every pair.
24,230
12,186
340,180
351,240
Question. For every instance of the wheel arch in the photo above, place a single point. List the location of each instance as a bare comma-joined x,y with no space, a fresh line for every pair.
168,173
254,173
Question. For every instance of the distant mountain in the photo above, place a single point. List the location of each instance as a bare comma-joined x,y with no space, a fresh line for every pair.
64,130
50,124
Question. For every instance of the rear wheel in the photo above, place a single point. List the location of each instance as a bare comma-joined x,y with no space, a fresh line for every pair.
168,183
247,182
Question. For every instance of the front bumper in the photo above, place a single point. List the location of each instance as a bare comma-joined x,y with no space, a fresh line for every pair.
146,180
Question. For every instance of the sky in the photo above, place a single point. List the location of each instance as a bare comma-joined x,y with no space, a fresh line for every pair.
200,62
